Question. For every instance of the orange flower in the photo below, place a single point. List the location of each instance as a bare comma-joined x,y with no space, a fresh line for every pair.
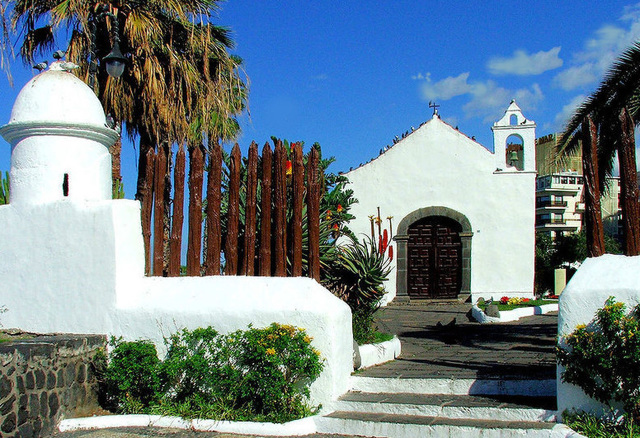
289,168
336,227
339,209
329,214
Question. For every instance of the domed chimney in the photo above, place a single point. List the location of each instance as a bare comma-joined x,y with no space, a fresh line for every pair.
59,141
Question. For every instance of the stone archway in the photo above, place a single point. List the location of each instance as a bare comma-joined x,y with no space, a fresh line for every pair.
416,218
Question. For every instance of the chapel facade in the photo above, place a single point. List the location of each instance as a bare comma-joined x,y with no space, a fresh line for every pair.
462,217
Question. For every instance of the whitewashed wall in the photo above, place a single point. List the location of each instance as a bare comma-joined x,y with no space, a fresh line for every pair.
596,280
75,264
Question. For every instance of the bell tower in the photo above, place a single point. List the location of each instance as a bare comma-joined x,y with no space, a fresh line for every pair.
514,139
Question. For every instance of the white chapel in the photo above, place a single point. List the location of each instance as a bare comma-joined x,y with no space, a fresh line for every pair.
463,218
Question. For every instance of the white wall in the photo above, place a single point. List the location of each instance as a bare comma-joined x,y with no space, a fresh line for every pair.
76,264
437,165
594,282
78,267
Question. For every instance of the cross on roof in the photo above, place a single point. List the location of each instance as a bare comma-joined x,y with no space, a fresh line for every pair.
435,107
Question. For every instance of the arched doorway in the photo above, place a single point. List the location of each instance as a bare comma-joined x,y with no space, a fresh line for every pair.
439,239
435,258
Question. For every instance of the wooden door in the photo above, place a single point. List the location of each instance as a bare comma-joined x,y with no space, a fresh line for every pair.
435,258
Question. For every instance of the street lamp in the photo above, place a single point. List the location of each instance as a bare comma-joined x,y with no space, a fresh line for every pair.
115,60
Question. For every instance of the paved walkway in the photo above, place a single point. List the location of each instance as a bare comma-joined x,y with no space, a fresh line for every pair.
438,340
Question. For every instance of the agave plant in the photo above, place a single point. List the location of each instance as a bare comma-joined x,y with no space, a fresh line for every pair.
4,188
358,274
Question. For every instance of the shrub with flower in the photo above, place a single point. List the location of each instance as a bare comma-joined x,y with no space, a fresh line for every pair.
602,357
255,374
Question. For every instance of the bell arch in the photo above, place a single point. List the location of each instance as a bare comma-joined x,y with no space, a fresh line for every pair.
519,156
402,239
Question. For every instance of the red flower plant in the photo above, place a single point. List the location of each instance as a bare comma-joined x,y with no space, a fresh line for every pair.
504,300
390,252
339,208
289,168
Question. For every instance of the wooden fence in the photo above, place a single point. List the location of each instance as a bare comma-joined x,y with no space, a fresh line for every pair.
254,217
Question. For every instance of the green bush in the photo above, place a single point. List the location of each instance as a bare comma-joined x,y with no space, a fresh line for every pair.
255,374
594,427
602,358
131,379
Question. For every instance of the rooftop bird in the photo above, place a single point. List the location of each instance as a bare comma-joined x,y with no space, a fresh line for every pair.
41,66
58,54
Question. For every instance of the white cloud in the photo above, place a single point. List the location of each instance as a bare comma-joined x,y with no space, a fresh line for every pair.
489,99
567,111
577,76
523,64
446,88
589,65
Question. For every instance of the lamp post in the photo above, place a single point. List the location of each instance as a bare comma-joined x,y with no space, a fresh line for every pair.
115,60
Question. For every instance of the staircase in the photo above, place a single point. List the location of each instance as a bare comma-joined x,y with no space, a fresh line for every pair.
390,407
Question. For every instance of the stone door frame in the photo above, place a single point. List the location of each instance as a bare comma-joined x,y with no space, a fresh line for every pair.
402,238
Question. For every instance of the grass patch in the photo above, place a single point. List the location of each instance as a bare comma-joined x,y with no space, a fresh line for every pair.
12,337
531,303
365,330
595,427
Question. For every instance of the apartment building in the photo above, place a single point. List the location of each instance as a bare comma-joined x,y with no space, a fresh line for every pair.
559,193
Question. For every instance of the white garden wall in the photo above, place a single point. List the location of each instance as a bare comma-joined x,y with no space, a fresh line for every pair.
75,263
596,280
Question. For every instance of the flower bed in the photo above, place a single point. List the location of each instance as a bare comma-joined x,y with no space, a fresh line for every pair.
507,303
512,309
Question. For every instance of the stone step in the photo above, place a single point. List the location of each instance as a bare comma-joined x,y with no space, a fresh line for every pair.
411,426
513,387
504,408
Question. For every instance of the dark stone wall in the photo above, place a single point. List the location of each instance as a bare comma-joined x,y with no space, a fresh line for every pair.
45,379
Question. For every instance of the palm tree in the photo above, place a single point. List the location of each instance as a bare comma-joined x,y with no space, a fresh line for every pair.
614,109
178,68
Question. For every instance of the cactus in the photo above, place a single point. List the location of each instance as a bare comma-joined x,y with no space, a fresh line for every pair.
118,190
4,188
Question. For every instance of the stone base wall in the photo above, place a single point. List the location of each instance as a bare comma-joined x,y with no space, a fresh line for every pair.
45,379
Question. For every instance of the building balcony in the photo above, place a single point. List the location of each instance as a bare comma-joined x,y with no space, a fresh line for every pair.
551,204
551,222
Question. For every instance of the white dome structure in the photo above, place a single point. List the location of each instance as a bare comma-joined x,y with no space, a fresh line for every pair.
59,141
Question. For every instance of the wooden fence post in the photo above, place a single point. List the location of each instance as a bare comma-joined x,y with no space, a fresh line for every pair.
265,219
313,213
249,253
231,245
280,213
194,246
158,212
296,226
175,242
214,233
147,205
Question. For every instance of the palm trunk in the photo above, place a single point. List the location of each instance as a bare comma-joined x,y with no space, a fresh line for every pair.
593,211
629,185
116,173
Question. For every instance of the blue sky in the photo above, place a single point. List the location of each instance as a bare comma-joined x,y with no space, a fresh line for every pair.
351,75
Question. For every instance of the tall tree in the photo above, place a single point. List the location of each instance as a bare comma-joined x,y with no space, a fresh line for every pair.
178,67
615,110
